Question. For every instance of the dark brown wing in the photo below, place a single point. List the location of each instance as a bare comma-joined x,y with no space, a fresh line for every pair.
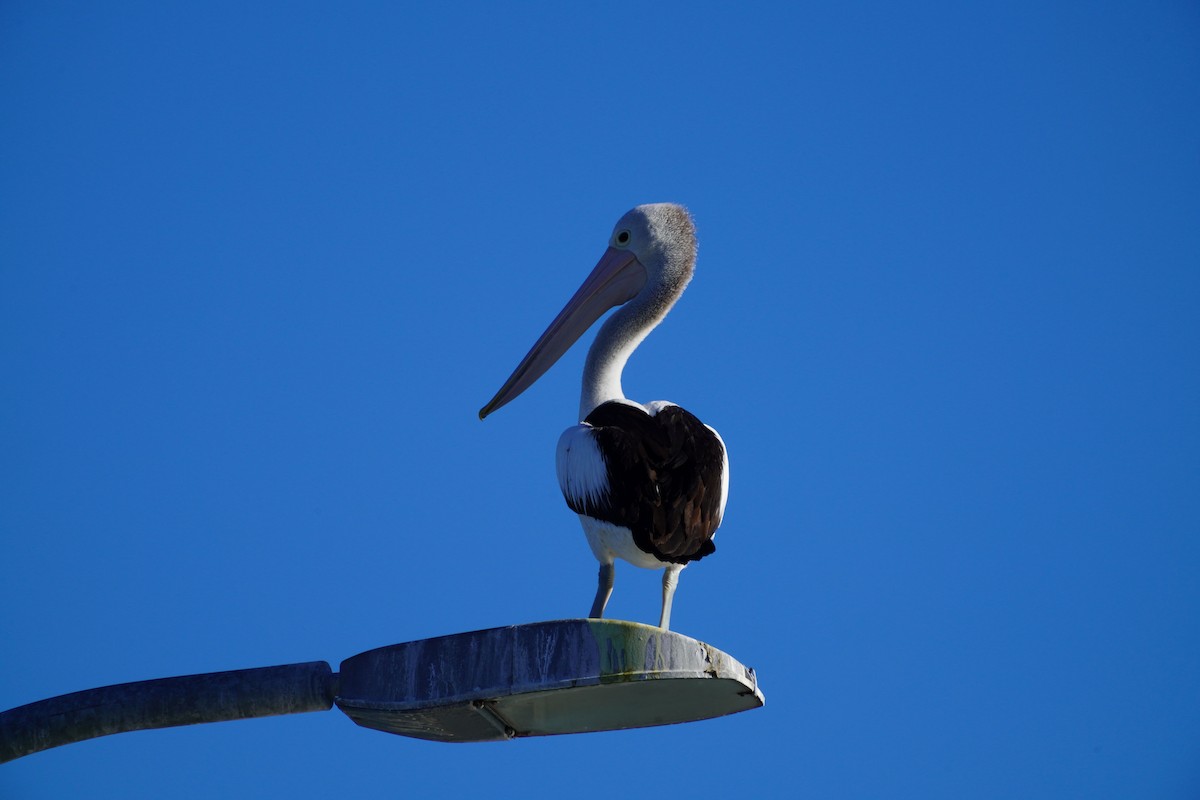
664,477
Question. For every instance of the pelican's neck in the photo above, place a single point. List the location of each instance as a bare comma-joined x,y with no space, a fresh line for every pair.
619,336
669,258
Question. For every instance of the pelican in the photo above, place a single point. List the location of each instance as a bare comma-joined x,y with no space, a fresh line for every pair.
649,482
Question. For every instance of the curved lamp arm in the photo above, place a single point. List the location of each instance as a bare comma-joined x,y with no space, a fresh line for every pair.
164,703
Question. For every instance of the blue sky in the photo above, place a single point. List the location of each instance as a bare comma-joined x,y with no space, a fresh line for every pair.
260,267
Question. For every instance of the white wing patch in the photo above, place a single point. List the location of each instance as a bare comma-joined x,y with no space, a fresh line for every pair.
582,473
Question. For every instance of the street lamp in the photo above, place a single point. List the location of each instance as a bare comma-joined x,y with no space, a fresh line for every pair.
539,679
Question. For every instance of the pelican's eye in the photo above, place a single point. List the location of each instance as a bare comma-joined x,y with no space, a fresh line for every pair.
622,238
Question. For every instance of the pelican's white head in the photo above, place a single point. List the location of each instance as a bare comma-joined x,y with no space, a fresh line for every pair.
662,237
649,261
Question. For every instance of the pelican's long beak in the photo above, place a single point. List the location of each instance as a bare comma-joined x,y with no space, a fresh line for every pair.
616,279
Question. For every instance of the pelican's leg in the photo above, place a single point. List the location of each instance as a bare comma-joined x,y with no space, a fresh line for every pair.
670,581
603,590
